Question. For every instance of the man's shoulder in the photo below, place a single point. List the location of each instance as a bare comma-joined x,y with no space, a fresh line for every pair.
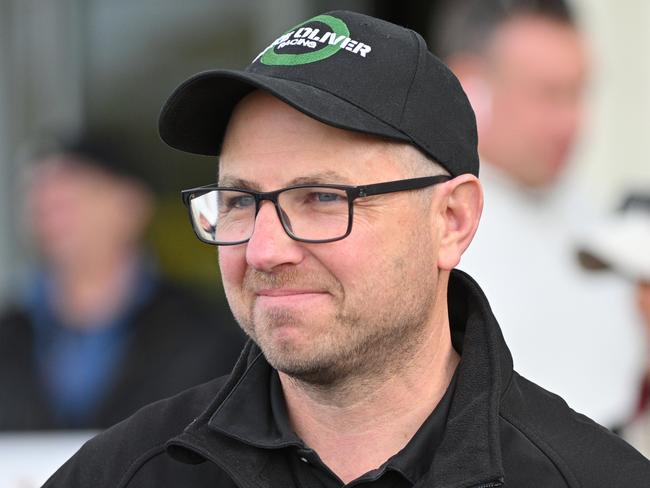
584,452
117,453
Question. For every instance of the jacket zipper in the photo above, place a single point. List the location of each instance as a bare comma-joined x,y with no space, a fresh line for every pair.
490,484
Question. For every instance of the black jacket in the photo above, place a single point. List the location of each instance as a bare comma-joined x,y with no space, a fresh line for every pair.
502,430
175,342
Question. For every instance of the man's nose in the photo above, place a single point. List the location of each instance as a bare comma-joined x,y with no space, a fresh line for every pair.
269,245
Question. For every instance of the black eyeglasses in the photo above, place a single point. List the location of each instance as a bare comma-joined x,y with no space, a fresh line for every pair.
308,213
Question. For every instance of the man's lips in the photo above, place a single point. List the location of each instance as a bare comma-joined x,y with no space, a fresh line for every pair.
289,297
287,292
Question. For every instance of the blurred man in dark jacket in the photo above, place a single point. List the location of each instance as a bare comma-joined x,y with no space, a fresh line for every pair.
98,332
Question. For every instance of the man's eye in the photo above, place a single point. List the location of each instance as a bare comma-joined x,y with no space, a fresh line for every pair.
322,197
240,202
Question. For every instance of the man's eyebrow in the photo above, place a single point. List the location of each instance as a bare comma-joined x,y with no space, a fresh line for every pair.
233,182
323,177
319,178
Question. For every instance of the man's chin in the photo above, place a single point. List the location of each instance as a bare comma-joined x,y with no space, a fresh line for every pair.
301,364
310,374
289,333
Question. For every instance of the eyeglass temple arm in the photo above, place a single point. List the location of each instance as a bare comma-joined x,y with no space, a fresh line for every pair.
401,185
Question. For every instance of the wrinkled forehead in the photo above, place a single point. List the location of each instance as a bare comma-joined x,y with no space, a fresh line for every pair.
271,143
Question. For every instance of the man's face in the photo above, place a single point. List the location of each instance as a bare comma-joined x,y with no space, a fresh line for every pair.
321,312
537,74
79,213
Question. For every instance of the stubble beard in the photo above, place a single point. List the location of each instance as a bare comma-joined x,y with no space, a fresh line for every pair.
364,341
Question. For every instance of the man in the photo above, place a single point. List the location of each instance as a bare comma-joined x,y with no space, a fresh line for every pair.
523,64
96,334
347,192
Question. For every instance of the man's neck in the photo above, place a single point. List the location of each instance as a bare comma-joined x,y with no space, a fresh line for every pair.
355,427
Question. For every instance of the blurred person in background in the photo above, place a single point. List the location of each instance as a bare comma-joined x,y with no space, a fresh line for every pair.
622,245
524,66
98,332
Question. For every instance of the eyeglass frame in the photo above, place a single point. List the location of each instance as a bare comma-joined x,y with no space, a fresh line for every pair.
353,192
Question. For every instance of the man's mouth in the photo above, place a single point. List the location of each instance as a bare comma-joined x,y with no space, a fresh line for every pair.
282,292
288,296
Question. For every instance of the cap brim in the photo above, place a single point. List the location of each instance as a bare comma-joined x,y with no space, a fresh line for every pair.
195,116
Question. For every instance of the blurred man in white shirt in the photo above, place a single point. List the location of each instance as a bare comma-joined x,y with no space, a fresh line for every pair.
524,65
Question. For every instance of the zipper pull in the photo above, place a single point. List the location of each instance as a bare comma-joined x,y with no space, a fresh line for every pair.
490,484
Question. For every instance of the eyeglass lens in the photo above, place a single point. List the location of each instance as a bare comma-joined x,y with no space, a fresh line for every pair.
309,213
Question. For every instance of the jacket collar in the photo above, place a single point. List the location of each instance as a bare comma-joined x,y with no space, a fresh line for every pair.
468,454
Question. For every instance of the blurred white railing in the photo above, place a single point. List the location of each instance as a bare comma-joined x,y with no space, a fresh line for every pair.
28,459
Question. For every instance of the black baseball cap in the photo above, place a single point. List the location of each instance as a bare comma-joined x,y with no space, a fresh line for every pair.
347,70
100,149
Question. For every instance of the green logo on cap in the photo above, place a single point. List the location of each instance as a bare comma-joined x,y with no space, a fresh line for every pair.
312,44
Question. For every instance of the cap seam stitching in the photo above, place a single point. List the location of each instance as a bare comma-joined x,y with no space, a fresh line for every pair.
418,66
415,71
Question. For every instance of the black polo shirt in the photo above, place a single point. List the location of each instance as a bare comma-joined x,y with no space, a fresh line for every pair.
268,428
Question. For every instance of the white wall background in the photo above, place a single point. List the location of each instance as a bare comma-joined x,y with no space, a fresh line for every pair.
614,154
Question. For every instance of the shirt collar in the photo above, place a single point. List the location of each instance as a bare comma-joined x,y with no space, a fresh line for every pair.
256,414
414,461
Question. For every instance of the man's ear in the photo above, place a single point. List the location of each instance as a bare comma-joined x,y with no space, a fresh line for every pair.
459,214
